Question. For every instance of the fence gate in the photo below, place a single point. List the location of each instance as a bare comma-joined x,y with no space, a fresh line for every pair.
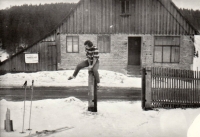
171,88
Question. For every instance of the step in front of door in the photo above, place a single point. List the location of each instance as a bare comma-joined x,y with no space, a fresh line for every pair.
134,71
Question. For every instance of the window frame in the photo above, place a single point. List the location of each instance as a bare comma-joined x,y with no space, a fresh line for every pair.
109,49
125,11
162,52
72,44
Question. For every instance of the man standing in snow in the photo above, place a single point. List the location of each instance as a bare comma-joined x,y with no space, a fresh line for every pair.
92,62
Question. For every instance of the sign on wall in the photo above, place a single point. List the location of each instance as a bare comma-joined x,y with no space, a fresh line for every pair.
31,57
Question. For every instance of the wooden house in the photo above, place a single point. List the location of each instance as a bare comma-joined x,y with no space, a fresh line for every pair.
129,34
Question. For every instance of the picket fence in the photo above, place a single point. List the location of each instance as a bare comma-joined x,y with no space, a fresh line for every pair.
171,88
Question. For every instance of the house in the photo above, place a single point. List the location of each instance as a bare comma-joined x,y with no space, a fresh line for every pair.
129,34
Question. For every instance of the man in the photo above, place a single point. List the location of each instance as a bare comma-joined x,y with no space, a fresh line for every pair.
92,61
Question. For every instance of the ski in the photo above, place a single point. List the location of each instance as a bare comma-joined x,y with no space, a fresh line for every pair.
48,132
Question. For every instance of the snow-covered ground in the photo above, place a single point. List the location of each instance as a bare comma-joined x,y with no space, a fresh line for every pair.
3,55
60,79
113,119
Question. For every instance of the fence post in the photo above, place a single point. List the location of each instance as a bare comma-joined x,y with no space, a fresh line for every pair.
92,93
143,87
148,90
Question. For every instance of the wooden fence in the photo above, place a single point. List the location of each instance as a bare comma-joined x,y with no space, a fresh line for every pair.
171,88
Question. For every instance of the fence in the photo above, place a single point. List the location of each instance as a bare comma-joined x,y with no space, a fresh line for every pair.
171,88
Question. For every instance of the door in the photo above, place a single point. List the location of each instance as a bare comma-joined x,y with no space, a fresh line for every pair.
52,58
134,50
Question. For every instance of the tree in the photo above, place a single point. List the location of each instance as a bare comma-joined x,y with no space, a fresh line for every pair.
23,25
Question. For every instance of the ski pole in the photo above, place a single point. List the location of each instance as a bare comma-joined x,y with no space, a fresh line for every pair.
25,84
31,105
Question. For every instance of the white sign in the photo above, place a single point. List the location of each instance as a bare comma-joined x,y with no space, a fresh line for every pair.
31,58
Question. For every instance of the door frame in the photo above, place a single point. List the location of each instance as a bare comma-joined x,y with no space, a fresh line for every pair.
140,48
51,45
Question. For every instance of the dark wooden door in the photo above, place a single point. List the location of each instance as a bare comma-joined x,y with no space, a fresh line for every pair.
52,58
134,50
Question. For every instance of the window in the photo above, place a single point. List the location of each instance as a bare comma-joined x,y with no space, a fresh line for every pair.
124,7
72,44
167,49
103,43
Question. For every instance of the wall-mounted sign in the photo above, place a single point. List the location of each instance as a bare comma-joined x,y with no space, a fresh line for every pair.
31,57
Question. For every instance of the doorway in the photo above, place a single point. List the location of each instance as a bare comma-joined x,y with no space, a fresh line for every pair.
134,51
52,57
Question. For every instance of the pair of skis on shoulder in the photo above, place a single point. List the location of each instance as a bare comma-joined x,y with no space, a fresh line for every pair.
48,132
